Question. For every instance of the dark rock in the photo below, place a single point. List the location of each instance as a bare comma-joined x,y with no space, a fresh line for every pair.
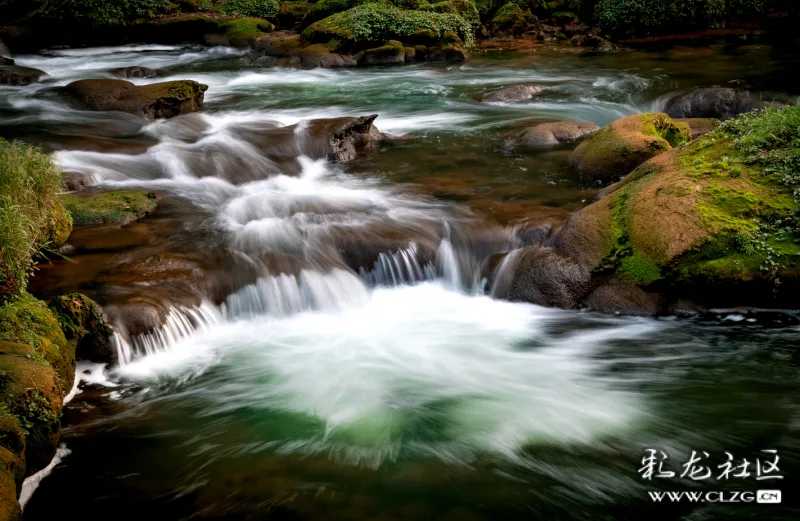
592,41
135,72
720,103
16,75
84,322
512,94
547,278
74,181
393,53
6,61
450,53
549,135
339,139
4,49
158,100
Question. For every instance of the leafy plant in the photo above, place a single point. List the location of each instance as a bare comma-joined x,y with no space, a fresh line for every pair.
255,8
102,13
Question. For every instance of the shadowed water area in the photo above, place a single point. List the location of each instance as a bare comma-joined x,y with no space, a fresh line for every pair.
300,339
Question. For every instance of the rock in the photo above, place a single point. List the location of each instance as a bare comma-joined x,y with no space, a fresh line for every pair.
74,181
209,29
450,53
121,207
12,469
83,322
719,103
4,49
615,150
288,49
135,72
16,75
549,135
319,55
699,126
592,41
512,19
157,100
684,227
339,139
393,53
6,61
547,278
512,94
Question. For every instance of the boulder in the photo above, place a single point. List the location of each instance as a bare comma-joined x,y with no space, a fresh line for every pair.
614,151
719,103
592,41
121,207
84,323
204,28
16,75
699,126
4,49
450,53
705,223
12,470
340,139
545,277
393,53
135,72
512,94
549,135
6,61
74,181
157,100
511,18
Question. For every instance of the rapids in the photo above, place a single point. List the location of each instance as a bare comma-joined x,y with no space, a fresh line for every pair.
337,346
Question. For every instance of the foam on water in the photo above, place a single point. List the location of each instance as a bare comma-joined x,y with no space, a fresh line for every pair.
404,357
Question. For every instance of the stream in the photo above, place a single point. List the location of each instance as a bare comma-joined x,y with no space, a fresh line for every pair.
303,340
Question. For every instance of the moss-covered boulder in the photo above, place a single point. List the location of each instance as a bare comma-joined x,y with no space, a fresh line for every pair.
122,207
292,14
157,100
370,25
714,222
464,8
202,28
27,320
545,136
512,18
86,325
10,465
393,53
615,150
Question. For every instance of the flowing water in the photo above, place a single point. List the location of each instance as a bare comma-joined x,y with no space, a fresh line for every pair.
304,340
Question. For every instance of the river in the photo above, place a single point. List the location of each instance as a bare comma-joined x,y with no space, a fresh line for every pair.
294,381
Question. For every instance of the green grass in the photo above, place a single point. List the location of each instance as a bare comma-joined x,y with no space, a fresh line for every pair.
31,217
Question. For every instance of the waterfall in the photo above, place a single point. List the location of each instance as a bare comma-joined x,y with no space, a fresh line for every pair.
397,268
181,323
503,274
448,265
284,294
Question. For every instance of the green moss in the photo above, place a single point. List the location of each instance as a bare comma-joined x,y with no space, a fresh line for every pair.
27,320
111,208
661,125
244,29
465,8
101,13
31,217
372,24
511,15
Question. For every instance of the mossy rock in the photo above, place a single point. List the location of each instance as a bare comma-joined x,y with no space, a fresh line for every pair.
122,207
28,321
615,150
370,25
156,100
678,223
11,466
393,53
464,8
85,324
292,13
32,396
512,18
203,28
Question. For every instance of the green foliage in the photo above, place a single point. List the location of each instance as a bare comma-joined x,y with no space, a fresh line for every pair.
372,22
102,13
633,17
255,8
34,410
31,217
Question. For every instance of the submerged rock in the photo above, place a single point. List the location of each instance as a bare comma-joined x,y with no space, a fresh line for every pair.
719,103
512,94
122,207
157,100
11,74
614,151
135,72
549,135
